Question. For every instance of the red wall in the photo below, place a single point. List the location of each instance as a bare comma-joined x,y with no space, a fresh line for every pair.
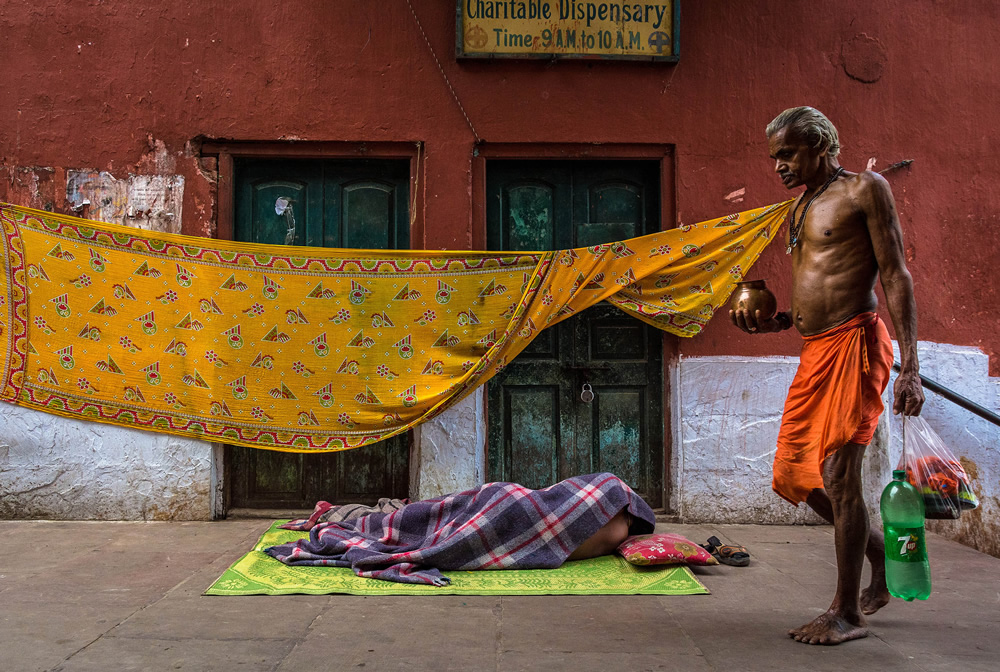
132,87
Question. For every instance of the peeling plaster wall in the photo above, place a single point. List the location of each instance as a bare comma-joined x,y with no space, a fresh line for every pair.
63,469
727,411
450,451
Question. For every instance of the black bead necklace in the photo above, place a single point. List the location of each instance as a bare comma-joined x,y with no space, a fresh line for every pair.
793,230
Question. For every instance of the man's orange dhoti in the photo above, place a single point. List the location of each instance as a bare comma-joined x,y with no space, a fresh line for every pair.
835,399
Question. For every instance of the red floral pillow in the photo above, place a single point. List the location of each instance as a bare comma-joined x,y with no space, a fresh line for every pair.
664,549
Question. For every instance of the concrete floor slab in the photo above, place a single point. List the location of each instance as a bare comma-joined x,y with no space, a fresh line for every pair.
115,596
775,534
965,663
278,617
576,661
123,654
40,635
450,633
566,624
126,578
47,545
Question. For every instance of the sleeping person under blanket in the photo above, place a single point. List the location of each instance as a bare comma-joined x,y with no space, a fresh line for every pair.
494,526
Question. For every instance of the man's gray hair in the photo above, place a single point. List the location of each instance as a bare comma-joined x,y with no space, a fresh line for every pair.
809,125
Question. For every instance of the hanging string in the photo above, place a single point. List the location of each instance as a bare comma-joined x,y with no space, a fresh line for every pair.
416,184
445,76
904,442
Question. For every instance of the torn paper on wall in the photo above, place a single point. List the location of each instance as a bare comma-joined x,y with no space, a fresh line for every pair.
150,202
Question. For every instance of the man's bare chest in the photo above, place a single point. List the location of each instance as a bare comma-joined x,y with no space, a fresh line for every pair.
833,223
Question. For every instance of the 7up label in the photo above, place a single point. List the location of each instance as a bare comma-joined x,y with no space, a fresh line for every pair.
905,544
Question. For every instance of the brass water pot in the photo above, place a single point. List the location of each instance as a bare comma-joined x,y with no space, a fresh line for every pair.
754,295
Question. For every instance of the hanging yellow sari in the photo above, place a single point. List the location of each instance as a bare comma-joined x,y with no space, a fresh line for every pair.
313,349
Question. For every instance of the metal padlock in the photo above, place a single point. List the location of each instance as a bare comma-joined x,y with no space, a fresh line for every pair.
587,395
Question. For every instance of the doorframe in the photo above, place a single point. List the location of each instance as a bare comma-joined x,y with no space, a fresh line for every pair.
226,151
665,155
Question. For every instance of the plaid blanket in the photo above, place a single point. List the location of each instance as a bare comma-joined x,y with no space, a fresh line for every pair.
325,512
495,526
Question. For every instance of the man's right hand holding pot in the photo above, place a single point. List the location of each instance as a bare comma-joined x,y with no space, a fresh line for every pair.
751,322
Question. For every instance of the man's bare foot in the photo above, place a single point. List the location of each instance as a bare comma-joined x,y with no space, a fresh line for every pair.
830,628
874,597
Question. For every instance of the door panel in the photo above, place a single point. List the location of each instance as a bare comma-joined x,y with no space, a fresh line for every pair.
365,205
620,357
540,429
614,212
358,204
544,347
534,440
529,217
522,211
381,469
367,215
618,423
616,336
276,477
273,230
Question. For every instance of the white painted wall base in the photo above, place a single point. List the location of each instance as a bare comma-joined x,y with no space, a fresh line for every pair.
726,414
449,452
57,468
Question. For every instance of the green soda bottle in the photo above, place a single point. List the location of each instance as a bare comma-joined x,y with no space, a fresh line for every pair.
907,572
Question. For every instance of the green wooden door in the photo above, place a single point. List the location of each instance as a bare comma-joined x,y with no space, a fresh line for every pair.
540,430
356,204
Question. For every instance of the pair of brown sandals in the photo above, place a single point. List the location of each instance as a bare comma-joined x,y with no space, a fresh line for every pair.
728,554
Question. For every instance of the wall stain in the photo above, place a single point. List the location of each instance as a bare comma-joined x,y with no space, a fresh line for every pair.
189,505
975,528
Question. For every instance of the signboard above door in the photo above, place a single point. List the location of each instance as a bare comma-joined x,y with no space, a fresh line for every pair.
611,29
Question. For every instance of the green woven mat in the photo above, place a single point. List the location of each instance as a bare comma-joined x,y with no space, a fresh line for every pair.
259,574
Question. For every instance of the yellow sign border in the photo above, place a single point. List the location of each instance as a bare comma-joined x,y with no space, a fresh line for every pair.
462,53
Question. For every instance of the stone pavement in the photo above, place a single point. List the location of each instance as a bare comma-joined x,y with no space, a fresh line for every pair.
78,596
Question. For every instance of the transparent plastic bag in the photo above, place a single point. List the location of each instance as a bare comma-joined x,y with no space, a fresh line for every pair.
935,471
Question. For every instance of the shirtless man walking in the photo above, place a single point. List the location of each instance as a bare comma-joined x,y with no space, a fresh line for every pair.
843,235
